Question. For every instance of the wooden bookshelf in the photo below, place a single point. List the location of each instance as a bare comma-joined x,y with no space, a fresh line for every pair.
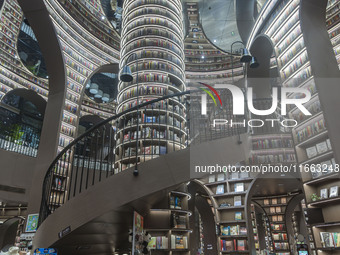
228,194
170,223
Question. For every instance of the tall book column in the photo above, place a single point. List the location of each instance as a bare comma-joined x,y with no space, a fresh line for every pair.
333,26
152,43
169,226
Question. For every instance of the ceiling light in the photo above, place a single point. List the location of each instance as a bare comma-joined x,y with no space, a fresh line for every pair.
215,41
202,56
99,94
106,97
103,17
94,88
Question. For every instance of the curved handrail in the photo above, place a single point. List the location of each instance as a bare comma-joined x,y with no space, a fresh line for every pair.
87,159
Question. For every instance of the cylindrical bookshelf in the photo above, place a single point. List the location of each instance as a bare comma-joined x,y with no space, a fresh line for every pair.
152,38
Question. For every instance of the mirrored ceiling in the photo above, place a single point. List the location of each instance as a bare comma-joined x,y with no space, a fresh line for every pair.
218,19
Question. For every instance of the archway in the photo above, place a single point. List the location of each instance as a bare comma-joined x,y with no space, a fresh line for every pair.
22,114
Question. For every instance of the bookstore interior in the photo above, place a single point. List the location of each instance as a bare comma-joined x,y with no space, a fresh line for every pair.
170,127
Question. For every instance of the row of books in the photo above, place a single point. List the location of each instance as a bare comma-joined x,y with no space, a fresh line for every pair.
179,242
330,239
154,21
238,187
76,67
152,11
278,227
280,237
273,143
75,76
75,9
274,14
310,130
290,8
331,22
71,108
274,201
161,105
212,60
295,65
291,53
335,8
175,202
63,141
86,40
155,65
319,148
273,158
281,246
334,33
313,108
73,86
233,230
67,130
201,52
233,245
144,90
286,27
200,68
154,43
289,39
85,109
155,150
97,22
158,243
157,54
9,24
299,78
77,55
214,76
25,80
4,89
107,108
165,3
143,31
72,97
81,44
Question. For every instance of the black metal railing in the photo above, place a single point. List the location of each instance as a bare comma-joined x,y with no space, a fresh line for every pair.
17,134
111,146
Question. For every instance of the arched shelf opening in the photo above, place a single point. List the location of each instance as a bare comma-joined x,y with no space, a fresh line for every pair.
22,115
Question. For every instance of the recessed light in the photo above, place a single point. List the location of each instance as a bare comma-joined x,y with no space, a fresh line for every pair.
215,41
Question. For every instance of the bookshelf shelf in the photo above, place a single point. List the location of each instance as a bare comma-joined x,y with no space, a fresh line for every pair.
159,74
231,208
323,202
230,194
323,179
